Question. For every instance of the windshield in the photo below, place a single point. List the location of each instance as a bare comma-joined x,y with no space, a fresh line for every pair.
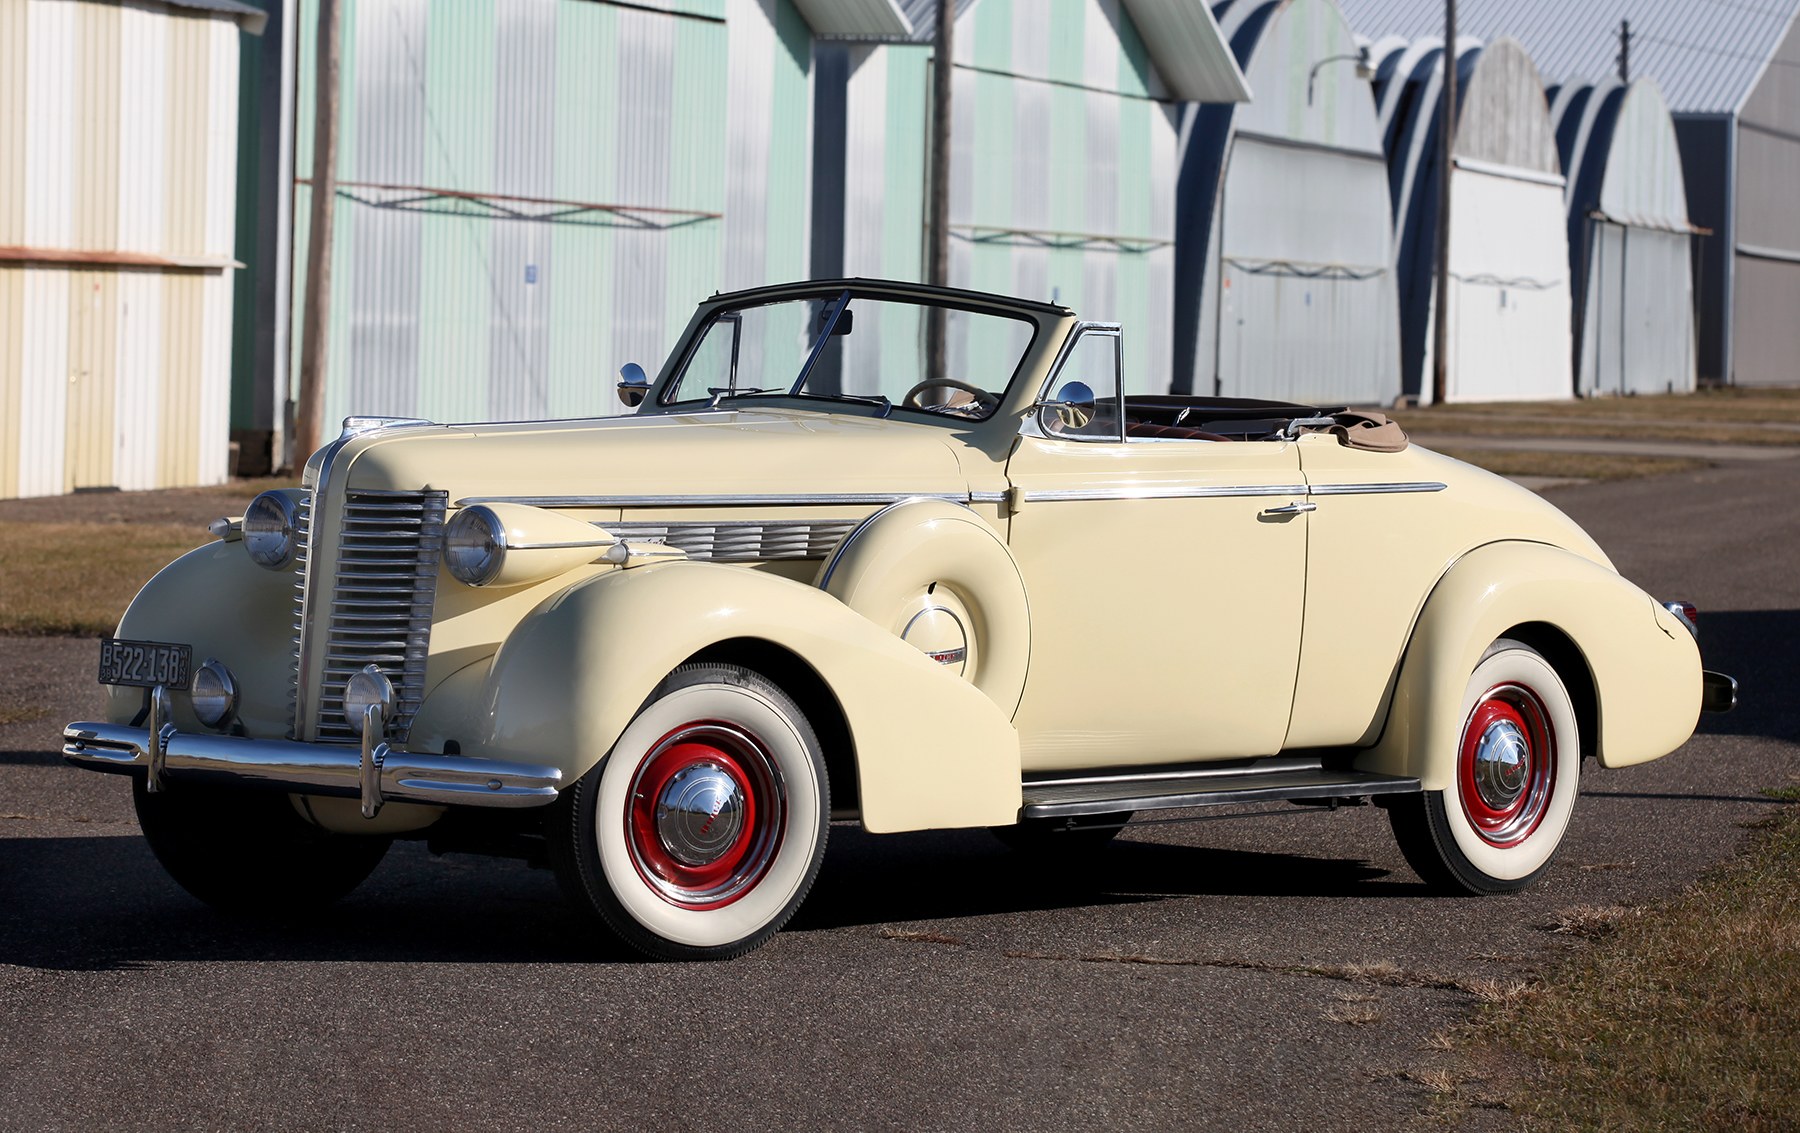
856,348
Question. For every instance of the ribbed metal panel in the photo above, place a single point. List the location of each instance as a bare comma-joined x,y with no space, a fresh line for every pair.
382,588
1629,241
535,191
117,131
1286,249
1509,268
742,541
1705,56
1062,174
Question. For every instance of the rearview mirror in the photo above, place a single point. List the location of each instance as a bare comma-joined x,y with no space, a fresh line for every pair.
1074,408
635,384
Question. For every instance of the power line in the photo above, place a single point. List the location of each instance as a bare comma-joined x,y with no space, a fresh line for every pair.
1719,51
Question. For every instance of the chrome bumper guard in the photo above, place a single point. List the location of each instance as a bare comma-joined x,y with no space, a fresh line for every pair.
374,774
1718,692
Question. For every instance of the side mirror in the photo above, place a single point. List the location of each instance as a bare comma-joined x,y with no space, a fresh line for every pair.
1074,407
634,385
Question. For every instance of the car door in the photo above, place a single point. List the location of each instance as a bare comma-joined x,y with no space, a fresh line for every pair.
1166,580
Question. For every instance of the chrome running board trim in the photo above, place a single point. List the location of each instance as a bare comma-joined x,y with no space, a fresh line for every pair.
1106,795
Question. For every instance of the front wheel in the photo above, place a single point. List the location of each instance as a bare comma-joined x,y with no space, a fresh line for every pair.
1518,770
702,830
250,852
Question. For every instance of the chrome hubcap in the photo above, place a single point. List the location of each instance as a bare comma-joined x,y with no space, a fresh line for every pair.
1502,764
700,814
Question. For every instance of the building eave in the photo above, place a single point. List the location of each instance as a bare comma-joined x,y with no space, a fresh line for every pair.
1188,50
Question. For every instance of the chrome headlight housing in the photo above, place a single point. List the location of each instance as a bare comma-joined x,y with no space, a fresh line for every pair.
214,694
269,524
475,546
368,685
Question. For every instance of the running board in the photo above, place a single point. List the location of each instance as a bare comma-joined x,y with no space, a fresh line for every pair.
1271,780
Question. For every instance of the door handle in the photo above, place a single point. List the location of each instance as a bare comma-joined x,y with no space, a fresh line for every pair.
1292,509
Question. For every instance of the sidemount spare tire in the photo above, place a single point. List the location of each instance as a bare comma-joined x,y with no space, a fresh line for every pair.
932,573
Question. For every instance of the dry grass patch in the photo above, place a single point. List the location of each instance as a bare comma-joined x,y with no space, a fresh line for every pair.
77,578
1732,404
71,564
1572,465
1685,1016
1590,921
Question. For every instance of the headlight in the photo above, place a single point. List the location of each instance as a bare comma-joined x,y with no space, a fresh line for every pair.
474,546
269,530
368,685
214,694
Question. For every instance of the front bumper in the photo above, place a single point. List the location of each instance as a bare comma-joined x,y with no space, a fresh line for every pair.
1718,692
374,774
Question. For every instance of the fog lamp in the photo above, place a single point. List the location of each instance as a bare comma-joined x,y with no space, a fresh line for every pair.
214,694
368,685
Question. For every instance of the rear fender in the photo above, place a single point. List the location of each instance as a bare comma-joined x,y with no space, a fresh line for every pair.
1644,667
931,750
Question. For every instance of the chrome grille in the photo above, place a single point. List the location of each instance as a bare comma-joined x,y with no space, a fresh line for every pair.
383,585
302,533
742,540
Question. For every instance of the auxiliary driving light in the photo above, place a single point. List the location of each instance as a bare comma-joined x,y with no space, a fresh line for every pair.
368,685
214,694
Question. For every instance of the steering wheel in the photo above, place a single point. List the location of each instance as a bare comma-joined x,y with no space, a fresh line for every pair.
982,404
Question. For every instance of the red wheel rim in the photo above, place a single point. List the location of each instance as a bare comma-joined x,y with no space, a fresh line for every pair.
1506,769
705,815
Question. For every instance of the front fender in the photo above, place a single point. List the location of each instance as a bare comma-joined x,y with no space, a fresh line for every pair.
1644,667
931,750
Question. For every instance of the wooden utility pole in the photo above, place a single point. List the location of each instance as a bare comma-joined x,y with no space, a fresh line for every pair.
1440,341
937,269
317,305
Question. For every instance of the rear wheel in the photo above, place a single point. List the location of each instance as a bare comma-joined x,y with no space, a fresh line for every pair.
249,851
701,832
1518,770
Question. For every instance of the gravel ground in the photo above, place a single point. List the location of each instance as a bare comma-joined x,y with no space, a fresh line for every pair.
1275,970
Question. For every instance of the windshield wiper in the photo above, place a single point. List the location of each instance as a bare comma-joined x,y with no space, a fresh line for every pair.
719,395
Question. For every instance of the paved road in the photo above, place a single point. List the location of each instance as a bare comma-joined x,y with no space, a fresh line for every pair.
1188,976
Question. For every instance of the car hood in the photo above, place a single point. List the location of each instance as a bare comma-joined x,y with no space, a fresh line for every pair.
729,453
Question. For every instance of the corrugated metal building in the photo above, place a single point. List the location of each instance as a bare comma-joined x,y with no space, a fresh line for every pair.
1509,246
1064,130
1629,238
533,192
117,197
1284,251
1731,75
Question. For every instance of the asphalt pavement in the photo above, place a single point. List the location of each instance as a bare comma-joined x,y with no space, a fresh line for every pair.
1281,969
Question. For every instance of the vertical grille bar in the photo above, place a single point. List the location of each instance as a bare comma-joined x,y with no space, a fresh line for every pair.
302,553
382,589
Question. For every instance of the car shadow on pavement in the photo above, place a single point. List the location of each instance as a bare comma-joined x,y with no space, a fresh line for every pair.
879,879
1761,648
103,903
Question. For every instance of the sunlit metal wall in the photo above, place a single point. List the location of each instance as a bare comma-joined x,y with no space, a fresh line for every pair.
1285,276
533,192
1629,238
1509,302
1062,169
117,199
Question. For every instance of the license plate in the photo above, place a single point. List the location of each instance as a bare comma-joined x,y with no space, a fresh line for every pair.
145,663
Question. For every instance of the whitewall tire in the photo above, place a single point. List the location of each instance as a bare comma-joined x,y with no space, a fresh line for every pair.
1517,772
703,829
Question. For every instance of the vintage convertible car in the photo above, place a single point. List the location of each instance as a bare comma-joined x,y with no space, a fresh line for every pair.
882,552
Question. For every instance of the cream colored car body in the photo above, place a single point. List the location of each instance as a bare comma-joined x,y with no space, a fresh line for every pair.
1135,603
